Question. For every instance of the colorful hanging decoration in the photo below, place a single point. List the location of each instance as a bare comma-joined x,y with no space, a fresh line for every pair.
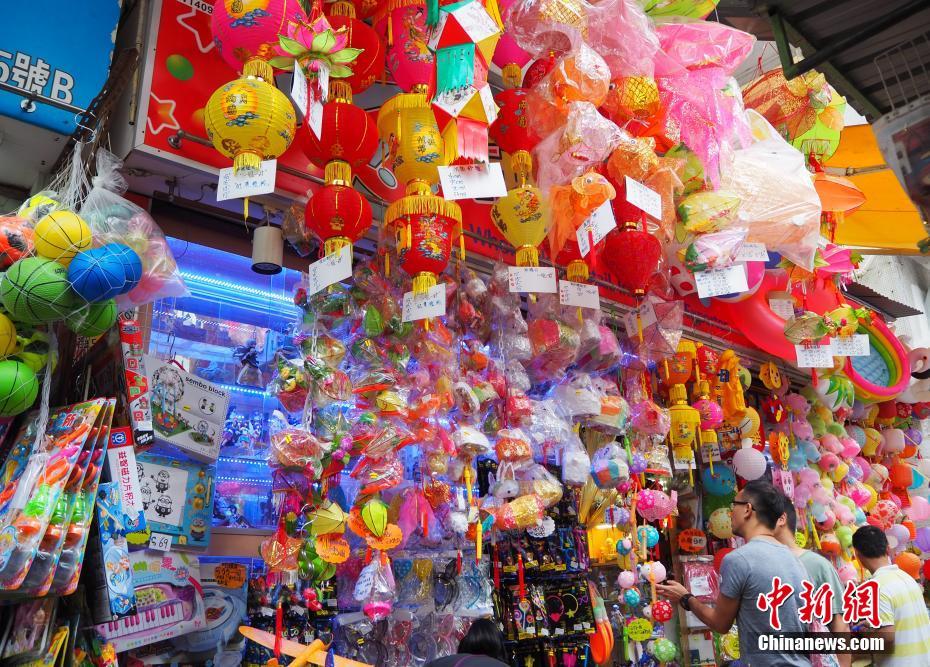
368,65
248,121
409,60
246,32
464,40
338,214
348,132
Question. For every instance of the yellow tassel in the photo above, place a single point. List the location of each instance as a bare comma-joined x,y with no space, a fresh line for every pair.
247,162
577,271
478,540
340,91
521,162
390,32
814,532
387,264
527,255
639,326
337,172
512,75
258,68
461,243
245,210
343,8
423,282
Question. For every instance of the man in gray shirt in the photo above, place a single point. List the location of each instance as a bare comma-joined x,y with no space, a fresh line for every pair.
747,578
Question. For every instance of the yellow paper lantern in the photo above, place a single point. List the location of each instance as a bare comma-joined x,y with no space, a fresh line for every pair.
248,121
522,219
406,123
328,518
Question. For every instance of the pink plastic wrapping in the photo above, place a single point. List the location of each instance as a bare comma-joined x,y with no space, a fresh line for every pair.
543,26
624,35
586,140
780,205
697,44
715,250
706,105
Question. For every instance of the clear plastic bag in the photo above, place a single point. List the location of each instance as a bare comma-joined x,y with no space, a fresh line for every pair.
113,219
697,44
576,464
780,205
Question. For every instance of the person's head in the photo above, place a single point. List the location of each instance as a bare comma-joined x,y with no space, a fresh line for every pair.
871,547
756,508
484,638
788,523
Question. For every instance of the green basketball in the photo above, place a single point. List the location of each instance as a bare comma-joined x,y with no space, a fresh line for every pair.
19,387
93,320
36,291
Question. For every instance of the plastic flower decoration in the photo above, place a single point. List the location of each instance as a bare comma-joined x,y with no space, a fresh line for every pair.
314,44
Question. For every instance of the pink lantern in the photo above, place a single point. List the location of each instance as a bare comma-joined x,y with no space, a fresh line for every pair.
508,55
409,59
883,514
655,505
653,570
626,579
246,31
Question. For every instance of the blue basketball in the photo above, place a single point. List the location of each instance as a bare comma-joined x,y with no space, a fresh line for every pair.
132,264
97,274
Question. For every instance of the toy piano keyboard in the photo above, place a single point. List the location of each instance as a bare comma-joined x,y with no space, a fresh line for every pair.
165,610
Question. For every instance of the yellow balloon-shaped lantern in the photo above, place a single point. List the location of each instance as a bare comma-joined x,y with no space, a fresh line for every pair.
248,121
523,219
686,426
407,124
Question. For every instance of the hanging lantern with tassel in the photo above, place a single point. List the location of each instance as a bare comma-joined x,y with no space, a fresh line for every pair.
632,256
347,133
685,429
337,213
508,55
522,218
407,126
408,58
246,32
369,66
248,121
512,132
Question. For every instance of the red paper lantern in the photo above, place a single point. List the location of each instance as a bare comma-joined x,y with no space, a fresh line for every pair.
632,256
338,214
348,132
512,131
426,251
369,66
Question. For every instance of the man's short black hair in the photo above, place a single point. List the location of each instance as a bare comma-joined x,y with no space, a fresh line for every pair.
791,514
766,501
870,541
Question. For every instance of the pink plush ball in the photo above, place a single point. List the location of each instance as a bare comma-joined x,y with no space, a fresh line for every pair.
626,579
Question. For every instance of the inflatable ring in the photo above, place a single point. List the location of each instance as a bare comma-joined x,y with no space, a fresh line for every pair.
886,372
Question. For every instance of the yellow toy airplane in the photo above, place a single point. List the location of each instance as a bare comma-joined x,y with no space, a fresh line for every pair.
312,654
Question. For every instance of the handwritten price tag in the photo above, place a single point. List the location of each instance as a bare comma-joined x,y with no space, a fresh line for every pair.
315,121
329,270
160,542
299,92
472,182
728,280
784,308
814,356
533,279
579,294
752,252
595,228
237,186
856,345
424,306
647,317
230,575
644,198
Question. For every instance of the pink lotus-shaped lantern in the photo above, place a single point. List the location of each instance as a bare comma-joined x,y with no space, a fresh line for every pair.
314,44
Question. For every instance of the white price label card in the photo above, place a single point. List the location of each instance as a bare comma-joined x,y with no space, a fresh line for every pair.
299,93
710,451
728,280
533,279
752,252
425,306
238,186
814,356
682,461
700,586
160,542
647,317
595,228
581,295
644,198
329,270
784,308
473,182
856,345
319,99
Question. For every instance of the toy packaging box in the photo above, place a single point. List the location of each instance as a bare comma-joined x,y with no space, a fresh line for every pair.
170,601
224,581
188,412
137,384
177,498
108,557
126,471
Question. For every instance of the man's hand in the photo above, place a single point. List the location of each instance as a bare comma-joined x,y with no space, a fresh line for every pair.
672,590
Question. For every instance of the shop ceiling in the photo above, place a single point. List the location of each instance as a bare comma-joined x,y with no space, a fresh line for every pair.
877,54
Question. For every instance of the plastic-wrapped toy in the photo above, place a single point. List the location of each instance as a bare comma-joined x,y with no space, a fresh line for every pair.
714,250
784,212
709,211
543,26
518,514
114,219
609,466
573,203
586,140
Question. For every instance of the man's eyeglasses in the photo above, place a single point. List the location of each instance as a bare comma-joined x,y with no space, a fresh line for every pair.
740,502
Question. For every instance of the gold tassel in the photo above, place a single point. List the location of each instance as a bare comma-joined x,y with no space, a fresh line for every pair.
343,8
337,172
577,271
527,255
522,163
258,68
461,242
512,75
340,91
